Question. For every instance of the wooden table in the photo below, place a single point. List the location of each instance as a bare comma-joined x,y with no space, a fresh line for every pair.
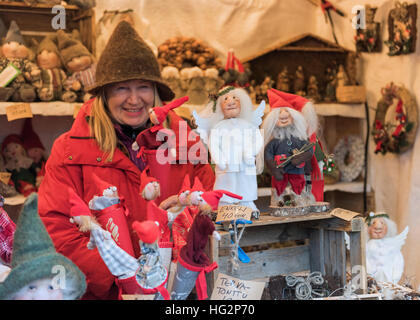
320,247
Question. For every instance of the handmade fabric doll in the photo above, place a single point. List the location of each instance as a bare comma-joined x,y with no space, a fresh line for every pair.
384,260
196,86
34,149
230,128
38,271
7,190
290,141
79,62
7,230
212,81
193,263
171,76
17,56
19,164
52,74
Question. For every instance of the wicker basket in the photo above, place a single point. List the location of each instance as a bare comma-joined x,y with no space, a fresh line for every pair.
351,94
332,178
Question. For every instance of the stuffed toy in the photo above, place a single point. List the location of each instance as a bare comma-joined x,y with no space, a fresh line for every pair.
193,263
78,61
212,81
172,77
82,4
232,134
33,274
289,152
384,260
7,231
16,57
7,190
52,74
196,86
19,164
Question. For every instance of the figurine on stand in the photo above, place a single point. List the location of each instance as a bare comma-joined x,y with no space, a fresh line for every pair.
313,92
342,78
384,260
283,81
266,85
331,81
299,82
233,137
290,141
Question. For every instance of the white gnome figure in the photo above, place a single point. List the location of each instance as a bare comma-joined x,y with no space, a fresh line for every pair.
171,76
384,260
230,127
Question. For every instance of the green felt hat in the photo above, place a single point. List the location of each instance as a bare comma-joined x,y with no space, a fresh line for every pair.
34,257
13,34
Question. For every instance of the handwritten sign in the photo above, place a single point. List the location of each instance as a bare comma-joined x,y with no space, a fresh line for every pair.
233,212
230,288
5,177
344,214
8,74
18,111
76,110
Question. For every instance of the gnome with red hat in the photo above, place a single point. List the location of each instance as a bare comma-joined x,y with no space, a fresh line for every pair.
193,263
290,141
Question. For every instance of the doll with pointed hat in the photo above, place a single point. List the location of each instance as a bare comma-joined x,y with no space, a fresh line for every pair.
79,63
52,73
193,263
26,75
36,266
289,153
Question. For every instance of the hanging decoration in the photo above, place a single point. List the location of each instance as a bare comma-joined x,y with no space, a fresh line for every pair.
350,157
368,38
396,120
330,170
326,8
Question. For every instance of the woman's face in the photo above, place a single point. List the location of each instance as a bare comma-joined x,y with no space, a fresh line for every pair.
129,101
231,105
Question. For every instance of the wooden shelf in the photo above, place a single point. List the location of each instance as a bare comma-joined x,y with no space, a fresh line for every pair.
53,108
356,110
14,201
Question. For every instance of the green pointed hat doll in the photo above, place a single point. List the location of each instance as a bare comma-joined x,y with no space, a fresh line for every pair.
34,258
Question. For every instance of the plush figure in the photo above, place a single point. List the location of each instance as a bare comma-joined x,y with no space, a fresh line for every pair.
83,4
7,190
7,231
38,271
78,61
212,81
52,74
384,260
193,263
19,164
290,141
196,86
34,149
171,76
230,128
16,55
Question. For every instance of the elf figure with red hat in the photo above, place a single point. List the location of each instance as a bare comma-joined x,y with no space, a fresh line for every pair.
290,141
193,263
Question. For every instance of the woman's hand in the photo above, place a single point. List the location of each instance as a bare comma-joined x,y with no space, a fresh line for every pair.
172,201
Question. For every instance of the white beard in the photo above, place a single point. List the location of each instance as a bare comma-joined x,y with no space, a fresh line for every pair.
18,163
283,133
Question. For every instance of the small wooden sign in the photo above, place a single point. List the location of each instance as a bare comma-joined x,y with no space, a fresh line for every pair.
233,212
5,177
344,214
351,94
230,288
18,111
77,108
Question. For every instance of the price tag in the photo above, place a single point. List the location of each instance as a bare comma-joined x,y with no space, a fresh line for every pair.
344,214
8,74
18,111
5,177
77,108
233,212
230,288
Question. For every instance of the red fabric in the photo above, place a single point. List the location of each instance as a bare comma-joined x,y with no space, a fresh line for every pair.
297,181
145,180
131,286
180,228
212,198
7,231
11,138
26,188
279,98
78,207
154,213
74,157
147,231
30,137
186,185
198,186
162,112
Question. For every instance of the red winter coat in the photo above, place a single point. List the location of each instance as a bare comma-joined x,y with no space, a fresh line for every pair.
74,157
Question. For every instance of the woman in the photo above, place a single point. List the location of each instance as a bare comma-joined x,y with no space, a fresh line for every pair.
128,84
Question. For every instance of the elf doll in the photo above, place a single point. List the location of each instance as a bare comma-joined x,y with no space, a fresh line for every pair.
78,61
7,190
193,263
38,272
15,59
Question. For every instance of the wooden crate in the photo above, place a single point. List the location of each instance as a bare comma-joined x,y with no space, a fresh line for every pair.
319,246
35,21
351,94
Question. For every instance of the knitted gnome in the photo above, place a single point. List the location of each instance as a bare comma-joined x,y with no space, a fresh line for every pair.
193,263
79,62
24,76
52,74
19,164
7,230
384,259
196,86
171,76
38,271
212,81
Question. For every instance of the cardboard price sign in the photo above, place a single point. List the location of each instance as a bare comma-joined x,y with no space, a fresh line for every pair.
230,288
233,212
344,214
18,111
5,177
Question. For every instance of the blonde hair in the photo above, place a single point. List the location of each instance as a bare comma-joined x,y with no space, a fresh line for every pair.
101,126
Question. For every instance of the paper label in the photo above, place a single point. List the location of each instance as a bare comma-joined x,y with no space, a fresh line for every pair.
18,111
233,212
5,177
8,74
230,288
344,214
77,108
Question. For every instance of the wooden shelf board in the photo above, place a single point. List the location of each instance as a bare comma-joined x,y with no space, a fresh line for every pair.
53,108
